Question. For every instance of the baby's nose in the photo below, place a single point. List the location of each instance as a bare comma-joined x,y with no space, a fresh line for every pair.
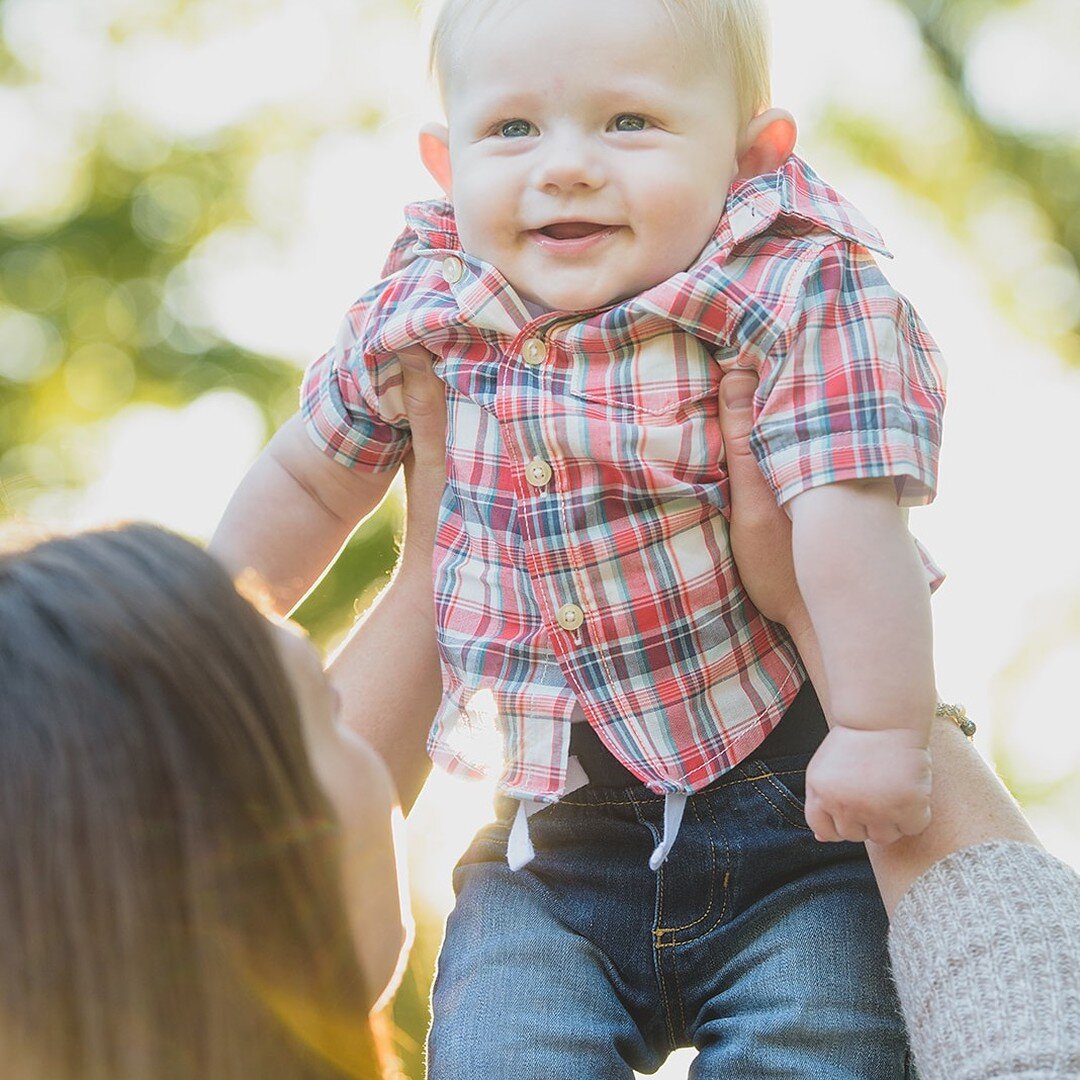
569,163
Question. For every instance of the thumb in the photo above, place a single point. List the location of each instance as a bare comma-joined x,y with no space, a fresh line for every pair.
749,491
737,390
425,405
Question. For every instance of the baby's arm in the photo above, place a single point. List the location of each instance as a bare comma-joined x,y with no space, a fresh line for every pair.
292,513
868,599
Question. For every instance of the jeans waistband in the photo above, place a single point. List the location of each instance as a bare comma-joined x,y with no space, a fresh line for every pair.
799,731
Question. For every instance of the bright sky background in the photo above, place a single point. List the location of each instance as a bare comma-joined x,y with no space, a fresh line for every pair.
1005,523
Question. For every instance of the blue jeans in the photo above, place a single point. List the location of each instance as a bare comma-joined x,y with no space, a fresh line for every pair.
755,944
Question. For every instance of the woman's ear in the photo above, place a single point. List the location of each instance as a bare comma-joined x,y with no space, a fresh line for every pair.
435,154
766,143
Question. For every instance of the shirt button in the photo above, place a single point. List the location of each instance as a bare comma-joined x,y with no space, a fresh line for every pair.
570,617
534,351
453,269
538,473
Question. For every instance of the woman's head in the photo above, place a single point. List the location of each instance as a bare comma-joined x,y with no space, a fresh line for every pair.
171,901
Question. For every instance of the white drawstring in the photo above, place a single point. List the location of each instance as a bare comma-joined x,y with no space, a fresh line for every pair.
519,848
674,805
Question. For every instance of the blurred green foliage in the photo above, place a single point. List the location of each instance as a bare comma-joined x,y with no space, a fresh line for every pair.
94,316
982,163
96,311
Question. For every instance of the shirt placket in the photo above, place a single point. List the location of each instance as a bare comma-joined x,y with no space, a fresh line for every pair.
525,408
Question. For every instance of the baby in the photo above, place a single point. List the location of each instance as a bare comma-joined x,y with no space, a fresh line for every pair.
626,219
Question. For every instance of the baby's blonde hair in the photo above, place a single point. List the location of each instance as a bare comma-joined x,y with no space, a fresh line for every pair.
735,29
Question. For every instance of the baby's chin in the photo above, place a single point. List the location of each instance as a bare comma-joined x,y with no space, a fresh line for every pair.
596,288
579,301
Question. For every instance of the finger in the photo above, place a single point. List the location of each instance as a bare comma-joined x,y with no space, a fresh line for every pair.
737,390
883,834
425,405
751,496
425,468
416,361
851,830
913,824
821,822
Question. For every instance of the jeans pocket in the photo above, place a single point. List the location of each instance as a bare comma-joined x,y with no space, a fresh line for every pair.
781,782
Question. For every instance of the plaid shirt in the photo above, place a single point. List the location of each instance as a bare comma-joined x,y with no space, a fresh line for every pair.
583,553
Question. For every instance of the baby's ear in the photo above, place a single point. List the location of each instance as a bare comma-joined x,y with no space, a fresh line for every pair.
766,143
435,154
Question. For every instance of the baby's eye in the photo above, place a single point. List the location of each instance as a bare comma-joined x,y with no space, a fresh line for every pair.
517,129
629,122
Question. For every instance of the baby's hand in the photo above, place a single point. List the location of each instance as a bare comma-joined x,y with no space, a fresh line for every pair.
868,785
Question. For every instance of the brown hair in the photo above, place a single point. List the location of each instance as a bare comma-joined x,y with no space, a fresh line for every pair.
170,902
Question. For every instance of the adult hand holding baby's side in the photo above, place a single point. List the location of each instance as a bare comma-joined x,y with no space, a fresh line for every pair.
394,714
425,468
760,530
859,785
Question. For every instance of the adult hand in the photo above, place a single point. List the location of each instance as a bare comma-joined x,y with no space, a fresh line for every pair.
760,530
425,470
398,634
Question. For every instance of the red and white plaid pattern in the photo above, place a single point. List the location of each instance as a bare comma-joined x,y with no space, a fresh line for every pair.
672,664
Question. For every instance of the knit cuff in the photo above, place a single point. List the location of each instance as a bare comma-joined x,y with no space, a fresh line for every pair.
985,950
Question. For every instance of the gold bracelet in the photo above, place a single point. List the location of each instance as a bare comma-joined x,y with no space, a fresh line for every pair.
958,715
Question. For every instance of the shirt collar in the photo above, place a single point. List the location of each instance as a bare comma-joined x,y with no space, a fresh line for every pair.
430,228
796,192
433,225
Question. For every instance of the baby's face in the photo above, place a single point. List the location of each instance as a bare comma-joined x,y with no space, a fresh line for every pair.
591,147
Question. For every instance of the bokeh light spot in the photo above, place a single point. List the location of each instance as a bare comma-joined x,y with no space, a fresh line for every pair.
166,209
30,347
99,378
33,277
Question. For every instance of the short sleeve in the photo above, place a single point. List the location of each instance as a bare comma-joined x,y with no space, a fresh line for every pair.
352,401
852,388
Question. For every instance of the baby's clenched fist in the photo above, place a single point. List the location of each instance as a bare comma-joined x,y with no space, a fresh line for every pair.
869,785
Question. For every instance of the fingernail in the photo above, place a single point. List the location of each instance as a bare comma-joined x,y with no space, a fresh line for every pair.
738,393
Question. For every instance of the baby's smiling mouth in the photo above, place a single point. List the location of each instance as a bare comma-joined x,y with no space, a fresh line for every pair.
571,239
572,230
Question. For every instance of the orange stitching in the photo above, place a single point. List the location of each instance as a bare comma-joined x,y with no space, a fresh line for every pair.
727,872
657,944
799,825
712,893
767,776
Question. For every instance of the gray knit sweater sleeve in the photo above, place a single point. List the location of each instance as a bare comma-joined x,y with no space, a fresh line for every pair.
985,951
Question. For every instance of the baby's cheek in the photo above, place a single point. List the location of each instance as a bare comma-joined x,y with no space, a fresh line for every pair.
684,222
482,217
